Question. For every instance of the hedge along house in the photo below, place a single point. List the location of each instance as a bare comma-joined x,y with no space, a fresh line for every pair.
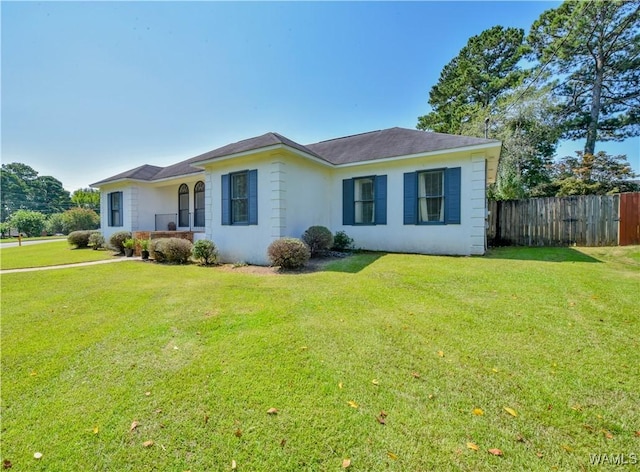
396,190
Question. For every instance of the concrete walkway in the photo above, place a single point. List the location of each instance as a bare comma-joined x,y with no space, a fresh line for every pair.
67,266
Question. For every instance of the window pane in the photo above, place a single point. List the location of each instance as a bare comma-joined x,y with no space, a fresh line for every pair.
364,212
239,185
239,211
431,184
431,209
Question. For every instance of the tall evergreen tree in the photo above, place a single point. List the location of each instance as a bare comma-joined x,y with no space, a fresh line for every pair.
593,50
470,85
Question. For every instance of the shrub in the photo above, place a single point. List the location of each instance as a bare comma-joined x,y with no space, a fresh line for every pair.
173,250
5,229
205,251
54,224
96,240
288,253
342,242
28,222
116,241
318,238
77,219
80,239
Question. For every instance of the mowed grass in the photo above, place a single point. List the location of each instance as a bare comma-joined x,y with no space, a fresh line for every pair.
197,356
47,254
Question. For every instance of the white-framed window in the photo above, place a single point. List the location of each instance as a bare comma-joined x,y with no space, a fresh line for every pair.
364,200
431,196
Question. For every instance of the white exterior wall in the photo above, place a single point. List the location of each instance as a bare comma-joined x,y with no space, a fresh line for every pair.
295,193
292,195
466,238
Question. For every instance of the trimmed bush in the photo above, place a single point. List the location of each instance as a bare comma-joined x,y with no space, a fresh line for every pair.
318,238
205,251
117,239
342,242
80,239
96,240
288,253
172,250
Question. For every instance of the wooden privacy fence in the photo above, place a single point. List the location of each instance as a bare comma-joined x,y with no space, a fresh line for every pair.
586,220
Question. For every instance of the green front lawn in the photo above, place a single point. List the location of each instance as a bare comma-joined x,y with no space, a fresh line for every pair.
197,356
47,254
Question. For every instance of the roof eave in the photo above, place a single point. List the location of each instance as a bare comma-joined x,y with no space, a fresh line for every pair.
474,147
142,181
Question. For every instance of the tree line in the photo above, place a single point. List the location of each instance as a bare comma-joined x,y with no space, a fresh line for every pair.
574,76
33,204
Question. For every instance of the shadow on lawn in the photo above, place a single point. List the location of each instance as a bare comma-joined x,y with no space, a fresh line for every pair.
542,254
353,263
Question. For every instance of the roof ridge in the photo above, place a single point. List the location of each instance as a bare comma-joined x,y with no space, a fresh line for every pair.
349,136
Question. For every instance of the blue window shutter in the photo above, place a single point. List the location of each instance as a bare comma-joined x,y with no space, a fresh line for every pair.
253,197
347,202
452,188
110,209
380,195
120,208
226,199
411,198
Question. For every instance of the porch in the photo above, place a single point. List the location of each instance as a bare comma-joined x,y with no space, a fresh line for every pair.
182,221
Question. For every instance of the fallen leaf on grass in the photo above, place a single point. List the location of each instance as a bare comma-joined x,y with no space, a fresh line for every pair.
234,466
148,443
37,455
567,448
6,464
134,425
473,446
380,419
539,454
272,411
352,404
147,394
607,434
415,375
283,443
637,434
346,463
340,385
478,412
33,374
391,455
495,452
374,382
238,433
96,430
511,411
440,353
494,370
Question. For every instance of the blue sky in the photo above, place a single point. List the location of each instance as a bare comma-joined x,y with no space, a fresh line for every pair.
90,89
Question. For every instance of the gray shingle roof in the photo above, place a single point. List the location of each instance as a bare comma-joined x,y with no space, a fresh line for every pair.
253,144
144,172
392,142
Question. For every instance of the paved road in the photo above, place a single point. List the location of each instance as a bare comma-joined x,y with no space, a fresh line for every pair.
29,243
